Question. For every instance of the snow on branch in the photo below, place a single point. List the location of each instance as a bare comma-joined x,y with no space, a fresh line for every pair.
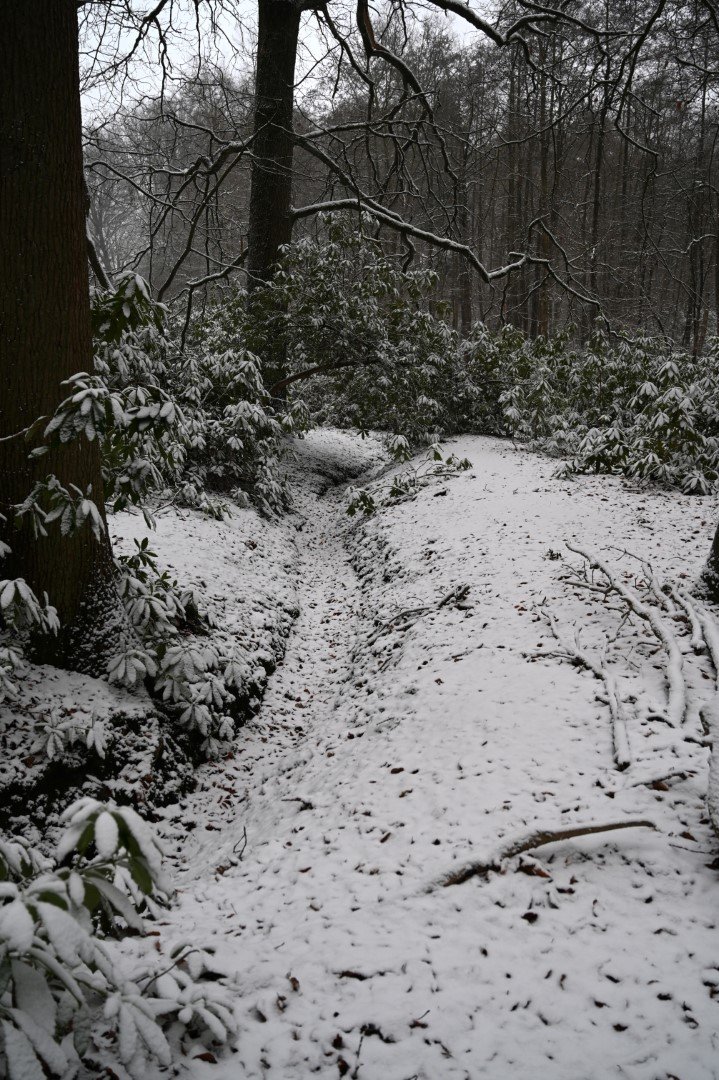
394,221
710,718
572,649
677,693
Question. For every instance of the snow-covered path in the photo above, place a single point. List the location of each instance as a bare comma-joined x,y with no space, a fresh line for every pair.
405,736
297,719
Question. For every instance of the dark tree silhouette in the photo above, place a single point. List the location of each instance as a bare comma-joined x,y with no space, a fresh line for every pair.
45,333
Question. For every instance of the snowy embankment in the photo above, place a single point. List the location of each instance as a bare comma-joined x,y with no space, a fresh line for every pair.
424,720
244,572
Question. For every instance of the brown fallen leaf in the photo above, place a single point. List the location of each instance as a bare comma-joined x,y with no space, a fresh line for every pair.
533,871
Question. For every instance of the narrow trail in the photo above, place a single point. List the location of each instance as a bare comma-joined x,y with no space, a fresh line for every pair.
391,750
299,716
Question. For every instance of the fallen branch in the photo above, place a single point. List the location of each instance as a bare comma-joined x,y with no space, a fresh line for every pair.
710,713
537,839
694,618
574,651
663,598
677,692
709,631
659,776
711,719
405,619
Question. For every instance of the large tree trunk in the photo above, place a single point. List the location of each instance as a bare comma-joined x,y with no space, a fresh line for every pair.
45,334
270,224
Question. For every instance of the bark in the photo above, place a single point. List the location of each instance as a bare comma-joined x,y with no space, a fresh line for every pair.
513,289
270,223
464,274
45,334
540,298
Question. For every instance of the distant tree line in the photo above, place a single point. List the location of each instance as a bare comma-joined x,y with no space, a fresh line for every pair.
568,175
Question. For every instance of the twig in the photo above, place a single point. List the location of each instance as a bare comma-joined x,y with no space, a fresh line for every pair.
241,844
654,585
305,804
620,738
456,595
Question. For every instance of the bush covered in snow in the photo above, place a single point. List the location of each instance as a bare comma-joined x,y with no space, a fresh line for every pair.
353,318
183,425
202,680
189,428
405,483
67,998
363,350
189,424
623,405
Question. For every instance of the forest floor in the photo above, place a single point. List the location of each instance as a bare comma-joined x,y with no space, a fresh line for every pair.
423,720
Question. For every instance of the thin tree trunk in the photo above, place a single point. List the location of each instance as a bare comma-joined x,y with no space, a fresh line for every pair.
45,332
716,278
598,183
464,274
514,287
540,316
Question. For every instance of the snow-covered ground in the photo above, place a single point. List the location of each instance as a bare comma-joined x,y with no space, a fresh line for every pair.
244,572
413,730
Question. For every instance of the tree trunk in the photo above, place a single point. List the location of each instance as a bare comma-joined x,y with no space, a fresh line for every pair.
513,288
45,334
270,225
540,297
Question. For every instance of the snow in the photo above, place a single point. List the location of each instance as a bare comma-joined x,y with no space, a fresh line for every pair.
373,865
421,723
244,571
